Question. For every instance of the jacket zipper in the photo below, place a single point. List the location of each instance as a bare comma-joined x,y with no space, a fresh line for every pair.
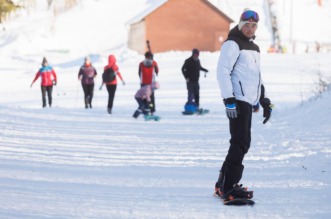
258,87
241,88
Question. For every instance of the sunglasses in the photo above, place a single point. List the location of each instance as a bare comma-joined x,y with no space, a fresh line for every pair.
250,16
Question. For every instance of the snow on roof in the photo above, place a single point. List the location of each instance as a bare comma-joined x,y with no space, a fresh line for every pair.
152,6
155,4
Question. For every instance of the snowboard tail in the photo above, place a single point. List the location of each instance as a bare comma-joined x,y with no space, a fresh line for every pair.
235,201
198,112
152,117
239,202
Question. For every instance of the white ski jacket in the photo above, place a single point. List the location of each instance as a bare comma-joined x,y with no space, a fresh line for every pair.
238,70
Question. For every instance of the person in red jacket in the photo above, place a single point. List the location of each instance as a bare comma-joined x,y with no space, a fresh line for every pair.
48,79
86,75
147,71
111,86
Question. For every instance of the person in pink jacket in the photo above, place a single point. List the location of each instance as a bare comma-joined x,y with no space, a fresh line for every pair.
86,75
111,85
48,79
144,100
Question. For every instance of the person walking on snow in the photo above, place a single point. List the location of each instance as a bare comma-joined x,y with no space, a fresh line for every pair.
86,75
148,69
144,100
191,71
112,85
239,79
48,79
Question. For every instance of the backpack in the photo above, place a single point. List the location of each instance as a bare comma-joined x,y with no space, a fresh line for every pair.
108,75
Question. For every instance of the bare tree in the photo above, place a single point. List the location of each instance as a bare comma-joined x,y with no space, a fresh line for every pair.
49,2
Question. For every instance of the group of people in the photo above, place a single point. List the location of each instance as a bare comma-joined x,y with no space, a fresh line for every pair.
147,71
86,75
241,86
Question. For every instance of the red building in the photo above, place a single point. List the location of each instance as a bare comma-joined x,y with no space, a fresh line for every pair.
179,25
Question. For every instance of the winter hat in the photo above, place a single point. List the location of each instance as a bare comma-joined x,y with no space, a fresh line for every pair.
44,62
148,55
248,16
195,51
87,59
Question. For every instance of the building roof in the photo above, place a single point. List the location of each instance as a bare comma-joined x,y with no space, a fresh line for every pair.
218,10
155,4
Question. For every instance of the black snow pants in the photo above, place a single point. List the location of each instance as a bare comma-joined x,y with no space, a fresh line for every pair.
48,90
193,92
111,95
88,94
240,130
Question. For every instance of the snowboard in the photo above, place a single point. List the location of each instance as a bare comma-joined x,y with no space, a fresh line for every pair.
198,112
239,201
152,117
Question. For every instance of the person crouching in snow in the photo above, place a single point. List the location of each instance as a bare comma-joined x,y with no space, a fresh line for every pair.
143,97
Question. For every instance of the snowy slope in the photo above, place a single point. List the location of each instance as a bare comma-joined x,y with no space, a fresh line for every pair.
68,162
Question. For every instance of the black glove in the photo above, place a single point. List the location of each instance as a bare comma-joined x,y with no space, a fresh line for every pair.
267,109
230,107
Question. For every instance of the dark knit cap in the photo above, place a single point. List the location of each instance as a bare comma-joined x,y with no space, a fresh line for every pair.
195,51
44,62
148,55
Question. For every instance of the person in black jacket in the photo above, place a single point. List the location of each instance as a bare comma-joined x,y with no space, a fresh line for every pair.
241,86
191,71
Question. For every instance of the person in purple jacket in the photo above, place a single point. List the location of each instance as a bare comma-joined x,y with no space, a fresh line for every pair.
144,100
86,75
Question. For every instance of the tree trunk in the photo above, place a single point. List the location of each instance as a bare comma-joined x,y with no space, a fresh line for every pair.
49,3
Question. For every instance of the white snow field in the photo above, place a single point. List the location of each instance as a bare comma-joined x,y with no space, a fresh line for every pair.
71,162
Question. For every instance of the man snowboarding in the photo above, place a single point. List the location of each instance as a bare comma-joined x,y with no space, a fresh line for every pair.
48,79
239,79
